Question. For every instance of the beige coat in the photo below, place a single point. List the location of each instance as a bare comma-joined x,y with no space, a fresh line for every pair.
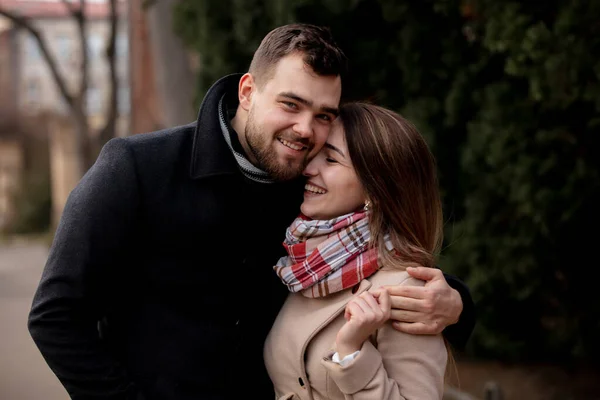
391,365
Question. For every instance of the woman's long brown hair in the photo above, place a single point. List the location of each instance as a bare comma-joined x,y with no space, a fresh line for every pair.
398,172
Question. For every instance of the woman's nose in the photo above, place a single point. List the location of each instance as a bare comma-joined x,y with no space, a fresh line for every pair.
311,168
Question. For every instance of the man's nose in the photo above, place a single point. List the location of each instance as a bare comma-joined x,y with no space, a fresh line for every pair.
303,127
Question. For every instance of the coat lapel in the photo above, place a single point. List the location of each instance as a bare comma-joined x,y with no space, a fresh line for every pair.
325,313
307,316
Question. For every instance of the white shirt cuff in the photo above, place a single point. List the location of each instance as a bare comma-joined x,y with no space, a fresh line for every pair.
346,360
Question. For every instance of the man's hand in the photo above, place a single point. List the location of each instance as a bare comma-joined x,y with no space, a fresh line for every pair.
425,310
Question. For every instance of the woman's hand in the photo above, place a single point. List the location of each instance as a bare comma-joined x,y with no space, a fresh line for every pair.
364,315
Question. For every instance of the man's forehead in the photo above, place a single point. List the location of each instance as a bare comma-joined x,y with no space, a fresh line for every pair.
293,63
294,72
322,92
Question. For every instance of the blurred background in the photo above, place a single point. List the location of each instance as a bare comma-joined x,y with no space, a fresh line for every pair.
507,94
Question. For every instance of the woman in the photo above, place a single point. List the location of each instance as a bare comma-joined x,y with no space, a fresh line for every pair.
371,208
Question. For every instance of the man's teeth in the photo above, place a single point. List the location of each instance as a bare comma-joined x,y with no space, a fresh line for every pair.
292,145
314,189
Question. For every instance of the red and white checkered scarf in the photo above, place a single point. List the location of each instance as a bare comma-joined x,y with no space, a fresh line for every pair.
327,256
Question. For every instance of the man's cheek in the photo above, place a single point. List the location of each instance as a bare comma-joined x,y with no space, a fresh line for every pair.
321,138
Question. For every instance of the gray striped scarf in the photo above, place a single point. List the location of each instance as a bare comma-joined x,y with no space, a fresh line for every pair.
247,168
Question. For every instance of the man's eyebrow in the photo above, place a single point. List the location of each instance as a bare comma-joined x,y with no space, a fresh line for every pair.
299,99
290,95
331,110
332,147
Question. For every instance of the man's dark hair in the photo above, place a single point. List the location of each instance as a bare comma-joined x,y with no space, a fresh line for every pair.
315,43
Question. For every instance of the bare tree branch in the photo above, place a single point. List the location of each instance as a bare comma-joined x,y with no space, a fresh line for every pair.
108,131
54,70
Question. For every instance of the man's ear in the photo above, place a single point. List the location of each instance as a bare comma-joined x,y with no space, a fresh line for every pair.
246,90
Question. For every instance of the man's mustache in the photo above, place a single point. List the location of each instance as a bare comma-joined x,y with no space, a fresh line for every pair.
291,137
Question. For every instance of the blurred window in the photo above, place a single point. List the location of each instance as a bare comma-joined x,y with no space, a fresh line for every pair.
122,45
63,46
32,49
95,46
93,100
33,95
124,101
32,91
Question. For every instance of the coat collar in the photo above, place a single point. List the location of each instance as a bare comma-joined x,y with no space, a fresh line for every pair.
210,154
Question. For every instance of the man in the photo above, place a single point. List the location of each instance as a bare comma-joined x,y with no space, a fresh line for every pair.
159,284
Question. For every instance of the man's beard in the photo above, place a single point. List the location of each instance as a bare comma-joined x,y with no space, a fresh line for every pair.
266,157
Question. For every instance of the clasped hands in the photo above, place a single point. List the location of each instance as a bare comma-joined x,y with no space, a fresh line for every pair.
419,310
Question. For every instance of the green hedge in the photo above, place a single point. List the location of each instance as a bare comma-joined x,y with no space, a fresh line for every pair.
507,94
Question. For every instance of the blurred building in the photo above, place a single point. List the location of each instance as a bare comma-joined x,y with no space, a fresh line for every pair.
8,68
147,95
36,90
145,115
11,151
29,92
163,70
11,167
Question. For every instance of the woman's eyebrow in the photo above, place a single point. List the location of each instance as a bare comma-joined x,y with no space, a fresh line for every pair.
332,147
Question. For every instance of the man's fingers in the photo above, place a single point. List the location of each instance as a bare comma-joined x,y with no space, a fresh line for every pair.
414,292
405,316
424,273
416,328
406,303
385,302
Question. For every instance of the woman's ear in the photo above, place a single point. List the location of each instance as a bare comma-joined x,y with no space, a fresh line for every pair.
368,205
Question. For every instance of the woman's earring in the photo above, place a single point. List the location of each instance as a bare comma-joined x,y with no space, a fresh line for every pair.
367,205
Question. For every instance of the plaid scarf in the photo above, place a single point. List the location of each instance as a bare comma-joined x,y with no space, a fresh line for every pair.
328,256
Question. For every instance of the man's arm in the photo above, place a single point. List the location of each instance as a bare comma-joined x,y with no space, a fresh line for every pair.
68,303
458,334
443,305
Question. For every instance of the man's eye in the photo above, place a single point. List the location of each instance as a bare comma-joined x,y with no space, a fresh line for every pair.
324,117
290,104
